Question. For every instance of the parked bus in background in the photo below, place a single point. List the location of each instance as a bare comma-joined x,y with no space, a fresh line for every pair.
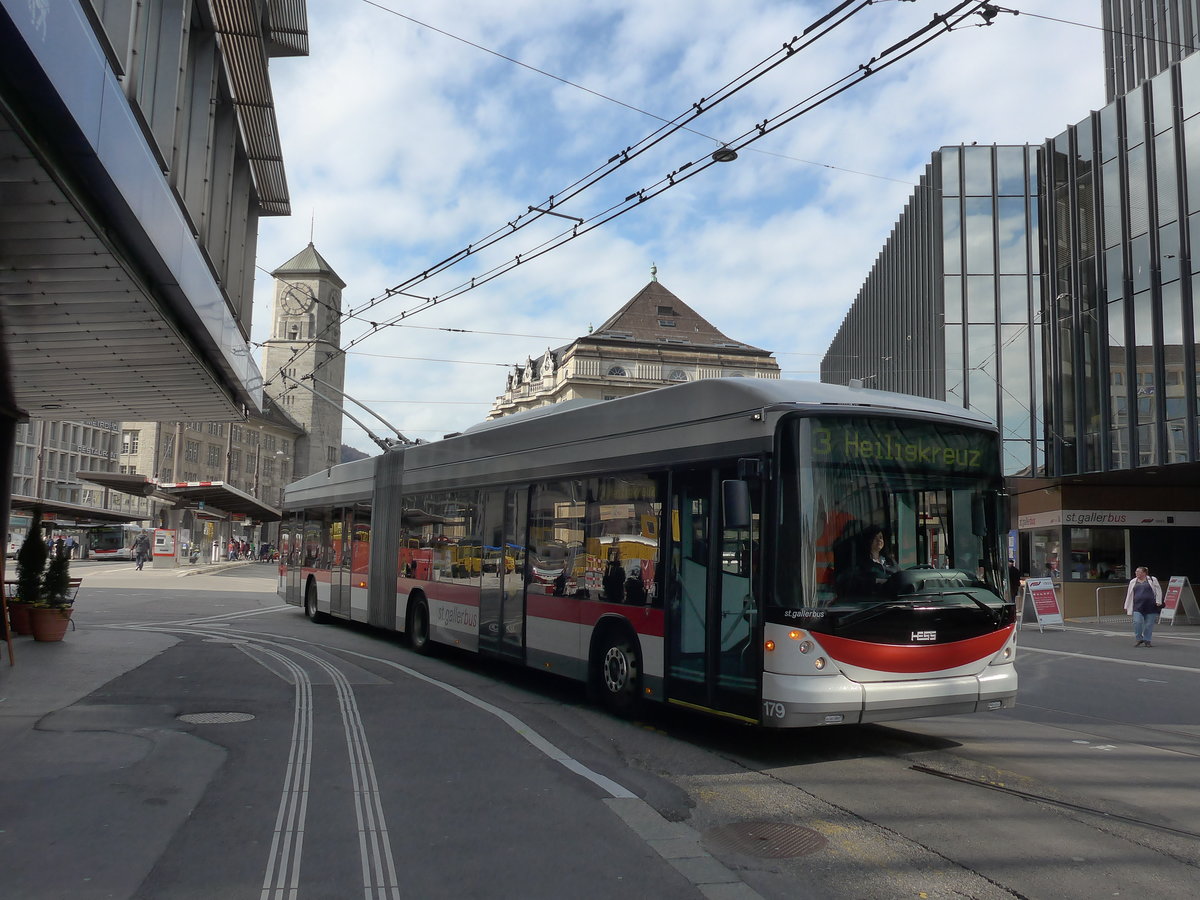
782,553
113,541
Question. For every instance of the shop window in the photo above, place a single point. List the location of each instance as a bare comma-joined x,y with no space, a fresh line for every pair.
1044,546
1099,554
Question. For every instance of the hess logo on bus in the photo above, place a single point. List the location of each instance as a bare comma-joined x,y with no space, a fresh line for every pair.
924,636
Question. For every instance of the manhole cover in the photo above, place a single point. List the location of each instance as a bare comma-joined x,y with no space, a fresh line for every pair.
767,840
215,718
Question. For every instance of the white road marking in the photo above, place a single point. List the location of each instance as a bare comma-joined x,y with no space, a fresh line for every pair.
380,881
559,756
280,882
1108,659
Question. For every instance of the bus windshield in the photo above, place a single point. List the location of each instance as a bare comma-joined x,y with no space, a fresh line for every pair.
881,512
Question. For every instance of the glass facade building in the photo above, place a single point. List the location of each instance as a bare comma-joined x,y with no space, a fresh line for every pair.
1062,298
961,273
1124,237
1144,37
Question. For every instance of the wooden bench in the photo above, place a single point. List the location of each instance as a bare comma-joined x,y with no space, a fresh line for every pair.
73,591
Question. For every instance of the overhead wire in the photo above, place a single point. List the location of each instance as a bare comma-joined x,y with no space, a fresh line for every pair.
355,314
823,26
820,28
940,24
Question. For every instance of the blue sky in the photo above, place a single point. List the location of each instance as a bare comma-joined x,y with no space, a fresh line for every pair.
404,145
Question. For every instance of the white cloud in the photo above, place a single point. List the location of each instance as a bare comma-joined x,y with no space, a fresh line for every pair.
403,145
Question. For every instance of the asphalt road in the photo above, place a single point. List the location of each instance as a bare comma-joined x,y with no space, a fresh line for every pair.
331,761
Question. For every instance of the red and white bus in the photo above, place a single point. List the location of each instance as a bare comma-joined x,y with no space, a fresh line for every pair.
784,553
114,541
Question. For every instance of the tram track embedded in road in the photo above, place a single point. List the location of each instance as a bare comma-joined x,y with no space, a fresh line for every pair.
1062,804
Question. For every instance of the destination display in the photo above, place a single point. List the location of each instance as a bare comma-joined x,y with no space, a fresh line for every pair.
910,446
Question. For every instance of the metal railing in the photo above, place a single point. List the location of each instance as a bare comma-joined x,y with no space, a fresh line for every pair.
1107,587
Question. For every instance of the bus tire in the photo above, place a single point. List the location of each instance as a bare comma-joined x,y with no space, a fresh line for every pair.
417,626
310,604
616,671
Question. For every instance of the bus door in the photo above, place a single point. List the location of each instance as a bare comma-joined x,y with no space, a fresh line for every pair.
712,620
291,554
340,531
503,563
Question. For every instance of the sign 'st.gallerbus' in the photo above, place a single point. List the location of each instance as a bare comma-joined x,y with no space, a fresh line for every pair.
785,553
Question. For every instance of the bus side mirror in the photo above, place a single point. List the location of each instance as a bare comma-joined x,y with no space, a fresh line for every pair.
735,504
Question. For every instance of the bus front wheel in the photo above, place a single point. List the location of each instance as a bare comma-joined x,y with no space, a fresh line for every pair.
616,673
418,626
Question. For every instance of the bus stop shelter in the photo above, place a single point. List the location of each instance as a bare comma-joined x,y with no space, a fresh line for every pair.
215,501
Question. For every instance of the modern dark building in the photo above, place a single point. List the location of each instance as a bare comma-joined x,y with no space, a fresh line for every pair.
949,309
1070,314
1144,37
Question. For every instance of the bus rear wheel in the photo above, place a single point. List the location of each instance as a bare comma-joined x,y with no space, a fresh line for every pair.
616,673
418,626
310,604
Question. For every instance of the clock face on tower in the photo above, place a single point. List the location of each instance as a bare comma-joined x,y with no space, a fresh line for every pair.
297,298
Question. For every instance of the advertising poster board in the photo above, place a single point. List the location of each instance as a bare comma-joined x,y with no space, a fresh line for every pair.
1046,607
1178,596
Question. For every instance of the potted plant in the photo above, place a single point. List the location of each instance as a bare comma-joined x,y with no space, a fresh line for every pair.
31,561
51,613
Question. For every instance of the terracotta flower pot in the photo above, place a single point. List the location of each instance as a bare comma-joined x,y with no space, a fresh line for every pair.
49,624
18,615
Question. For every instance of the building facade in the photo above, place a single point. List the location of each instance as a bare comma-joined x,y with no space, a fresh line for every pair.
951,308
255,457
654,340
139,152
1108,373
1144,37
49,453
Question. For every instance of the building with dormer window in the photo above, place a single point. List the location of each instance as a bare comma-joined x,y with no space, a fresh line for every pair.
652,341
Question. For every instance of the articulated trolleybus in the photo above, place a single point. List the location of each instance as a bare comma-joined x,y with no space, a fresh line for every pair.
783,553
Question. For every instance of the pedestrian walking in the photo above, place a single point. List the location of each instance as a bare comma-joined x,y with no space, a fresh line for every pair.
1143,601
141,550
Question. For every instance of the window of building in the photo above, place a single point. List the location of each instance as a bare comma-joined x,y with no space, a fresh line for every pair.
677,375
191,451
617,371
235,460
331,456
130,441
214,455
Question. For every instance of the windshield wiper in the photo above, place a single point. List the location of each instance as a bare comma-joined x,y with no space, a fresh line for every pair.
875,609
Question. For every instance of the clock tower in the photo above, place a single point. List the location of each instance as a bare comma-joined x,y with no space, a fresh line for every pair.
306,341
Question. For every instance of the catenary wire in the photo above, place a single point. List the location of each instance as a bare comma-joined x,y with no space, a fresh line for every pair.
940,24
814,31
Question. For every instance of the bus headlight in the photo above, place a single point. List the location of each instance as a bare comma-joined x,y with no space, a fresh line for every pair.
1006,655
806,646
819,662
